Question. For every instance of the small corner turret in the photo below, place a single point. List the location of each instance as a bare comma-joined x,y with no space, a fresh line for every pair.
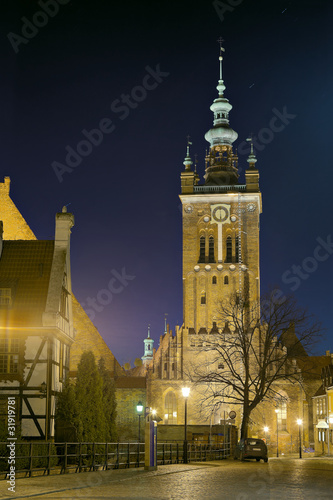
188,177
252,173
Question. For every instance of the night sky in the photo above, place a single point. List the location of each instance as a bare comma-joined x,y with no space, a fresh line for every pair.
71,74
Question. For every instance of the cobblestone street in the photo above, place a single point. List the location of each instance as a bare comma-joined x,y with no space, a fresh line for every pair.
233,480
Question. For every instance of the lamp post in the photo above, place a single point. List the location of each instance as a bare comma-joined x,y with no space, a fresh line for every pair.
186,393
265,431
299,423
139,408
277,433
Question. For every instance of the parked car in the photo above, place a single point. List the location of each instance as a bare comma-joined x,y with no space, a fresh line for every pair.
251,448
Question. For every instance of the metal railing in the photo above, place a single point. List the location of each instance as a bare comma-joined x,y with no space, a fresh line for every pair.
36,458
219,189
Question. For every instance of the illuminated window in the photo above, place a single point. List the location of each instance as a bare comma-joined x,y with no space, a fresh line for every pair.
202,249
170,408
229,250
282,413
5,297
9,358
211,250
203,298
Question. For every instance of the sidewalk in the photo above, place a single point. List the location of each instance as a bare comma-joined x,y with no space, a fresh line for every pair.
42,485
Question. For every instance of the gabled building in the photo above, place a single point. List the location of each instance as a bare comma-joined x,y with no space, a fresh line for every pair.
43,328
36,326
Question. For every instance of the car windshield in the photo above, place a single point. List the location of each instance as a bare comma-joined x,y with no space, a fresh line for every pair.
253,442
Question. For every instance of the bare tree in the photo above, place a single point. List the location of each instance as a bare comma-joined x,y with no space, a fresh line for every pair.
257,347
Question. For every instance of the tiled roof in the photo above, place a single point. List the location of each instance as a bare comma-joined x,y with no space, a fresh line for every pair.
25,268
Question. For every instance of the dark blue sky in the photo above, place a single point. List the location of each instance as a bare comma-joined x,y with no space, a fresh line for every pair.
66,76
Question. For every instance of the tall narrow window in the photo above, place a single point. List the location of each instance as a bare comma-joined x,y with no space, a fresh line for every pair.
226,280
170,408
211,249
202,249
203,298
282,412
237,249
229,250
214,280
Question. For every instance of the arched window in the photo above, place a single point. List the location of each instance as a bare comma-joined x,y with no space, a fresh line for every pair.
202,249
203,297
211,249
214,281
237,248
170,408
229,250
226,280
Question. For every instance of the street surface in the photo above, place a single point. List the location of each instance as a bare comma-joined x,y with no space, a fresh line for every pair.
283,478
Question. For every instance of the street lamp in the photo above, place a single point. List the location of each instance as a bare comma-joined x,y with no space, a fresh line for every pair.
186,393
299,423
277,433
265,431
139,408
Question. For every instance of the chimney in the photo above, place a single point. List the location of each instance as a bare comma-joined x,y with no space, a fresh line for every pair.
328,353
64,223
1,240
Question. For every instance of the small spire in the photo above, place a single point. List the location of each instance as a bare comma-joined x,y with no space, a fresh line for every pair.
252,159
165,322
188,162
148,332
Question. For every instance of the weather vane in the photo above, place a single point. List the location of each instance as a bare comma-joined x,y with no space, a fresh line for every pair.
220,41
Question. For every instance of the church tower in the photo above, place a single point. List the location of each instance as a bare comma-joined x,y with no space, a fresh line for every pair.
220,225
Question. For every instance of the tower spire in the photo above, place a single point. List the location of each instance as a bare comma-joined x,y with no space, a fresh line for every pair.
221,163
220,40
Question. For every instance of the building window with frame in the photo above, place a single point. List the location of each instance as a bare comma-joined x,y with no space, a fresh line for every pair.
203,298
282,413
214,280
9,355
226,280
202,253
211,257
170,408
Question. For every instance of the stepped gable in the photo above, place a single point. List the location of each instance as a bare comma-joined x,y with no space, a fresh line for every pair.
87,336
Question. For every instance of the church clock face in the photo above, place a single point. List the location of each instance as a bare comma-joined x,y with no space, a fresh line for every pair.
220,213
